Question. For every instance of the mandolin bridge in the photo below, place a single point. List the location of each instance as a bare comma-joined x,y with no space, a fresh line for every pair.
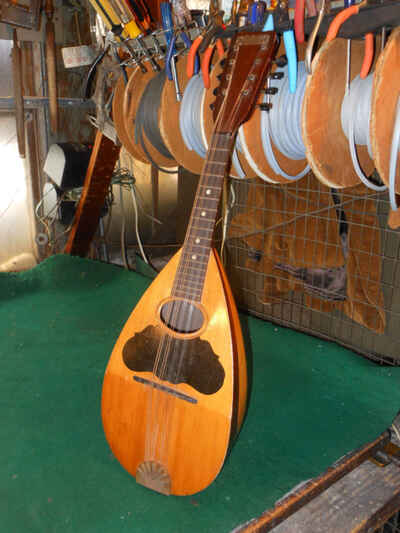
166,389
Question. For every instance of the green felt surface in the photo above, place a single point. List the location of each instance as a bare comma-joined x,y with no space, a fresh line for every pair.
311,402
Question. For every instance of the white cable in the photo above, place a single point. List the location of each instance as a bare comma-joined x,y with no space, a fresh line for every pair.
282,124
123,233
190,116
355,118
250,159
192,125
135,208
394,152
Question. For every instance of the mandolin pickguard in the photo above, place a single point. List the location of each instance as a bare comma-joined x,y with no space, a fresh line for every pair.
190,361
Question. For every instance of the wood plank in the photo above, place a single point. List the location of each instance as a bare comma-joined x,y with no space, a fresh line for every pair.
361,501
98,177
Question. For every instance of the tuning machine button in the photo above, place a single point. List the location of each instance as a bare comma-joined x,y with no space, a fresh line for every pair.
271,90
278,75
281,61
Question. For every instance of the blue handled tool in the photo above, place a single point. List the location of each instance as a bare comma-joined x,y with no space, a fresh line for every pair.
169,58
290,44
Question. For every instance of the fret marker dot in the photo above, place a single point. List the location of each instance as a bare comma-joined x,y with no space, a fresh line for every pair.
197,240
194,256
203,213
208,191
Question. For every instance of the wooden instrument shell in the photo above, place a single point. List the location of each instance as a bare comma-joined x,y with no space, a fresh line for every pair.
169,121
327,147
251,131
383,106
198,433
132,96
122,126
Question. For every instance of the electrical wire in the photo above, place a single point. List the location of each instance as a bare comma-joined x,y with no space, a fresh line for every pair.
355,119
282,123
139,241
394,152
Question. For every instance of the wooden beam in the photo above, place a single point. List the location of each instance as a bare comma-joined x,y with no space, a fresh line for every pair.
97,181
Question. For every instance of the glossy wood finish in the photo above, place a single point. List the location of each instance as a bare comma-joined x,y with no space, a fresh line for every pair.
169,122
327,147
383,106
189,440
97,181
172,437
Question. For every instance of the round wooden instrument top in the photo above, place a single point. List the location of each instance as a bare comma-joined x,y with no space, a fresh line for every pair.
169,121
383,106
327,147
118,112
132,97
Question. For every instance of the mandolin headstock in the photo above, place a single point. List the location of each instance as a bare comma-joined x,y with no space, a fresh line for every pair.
246,67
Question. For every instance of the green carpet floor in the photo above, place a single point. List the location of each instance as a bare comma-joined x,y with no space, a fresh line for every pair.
311,402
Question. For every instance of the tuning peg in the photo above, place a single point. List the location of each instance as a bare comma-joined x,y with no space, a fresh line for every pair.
222,62
219,76
215,91
271,90
265,107
278,75
212,106
281,61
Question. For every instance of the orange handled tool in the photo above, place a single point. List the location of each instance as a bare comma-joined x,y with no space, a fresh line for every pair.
369,38
205,64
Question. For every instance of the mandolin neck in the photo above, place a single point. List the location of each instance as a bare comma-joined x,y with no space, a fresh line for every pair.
191,272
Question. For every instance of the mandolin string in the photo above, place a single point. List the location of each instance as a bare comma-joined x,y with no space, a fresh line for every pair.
169,409
164,349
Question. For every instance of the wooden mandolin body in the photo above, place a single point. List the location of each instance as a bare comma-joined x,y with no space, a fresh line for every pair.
172,436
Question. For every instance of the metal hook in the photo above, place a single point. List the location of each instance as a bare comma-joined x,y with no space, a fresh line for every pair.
311,41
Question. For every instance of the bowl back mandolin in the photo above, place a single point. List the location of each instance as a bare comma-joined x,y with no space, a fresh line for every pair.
174,391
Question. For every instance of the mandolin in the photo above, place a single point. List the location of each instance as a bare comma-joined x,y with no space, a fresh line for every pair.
175,388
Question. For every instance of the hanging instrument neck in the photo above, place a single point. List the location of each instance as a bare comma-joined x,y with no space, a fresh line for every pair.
189,279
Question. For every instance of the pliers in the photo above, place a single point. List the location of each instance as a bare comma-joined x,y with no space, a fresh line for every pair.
299,17
205,43
171,51
369,37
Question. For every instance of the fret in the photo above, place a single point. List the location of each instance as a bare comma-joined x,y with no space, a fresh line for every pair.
210,187
184,286
212,162
208,198
194,268
202,229
195,255
188,261
182,294
198,245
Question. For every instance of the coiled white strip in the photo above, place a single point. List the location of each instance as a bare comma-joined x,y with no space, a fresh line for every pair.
191,122
394,153
282,123
355,117
190,116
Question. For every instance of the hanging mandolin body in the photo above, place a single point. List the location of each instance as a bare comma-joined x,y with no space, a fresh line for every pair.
174,392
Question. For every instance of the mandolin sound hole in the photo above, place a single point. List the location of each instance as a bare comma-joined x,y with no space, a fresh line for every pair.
182,316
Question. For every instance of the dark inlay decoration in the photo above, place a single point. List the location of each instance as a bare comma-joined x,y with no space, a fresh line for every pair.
190,361
164,388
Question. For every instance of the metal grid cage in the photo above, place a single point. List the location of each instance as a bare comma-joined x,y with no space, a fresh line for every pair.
392,525
320,260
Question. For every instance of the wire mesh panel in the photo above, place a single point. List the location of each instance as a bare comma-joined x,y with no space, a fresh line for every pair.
317,259
391,526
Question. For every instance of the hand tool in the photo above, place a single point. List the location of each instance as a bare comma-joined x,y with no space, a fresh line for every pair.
369,38
281,16
133,30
